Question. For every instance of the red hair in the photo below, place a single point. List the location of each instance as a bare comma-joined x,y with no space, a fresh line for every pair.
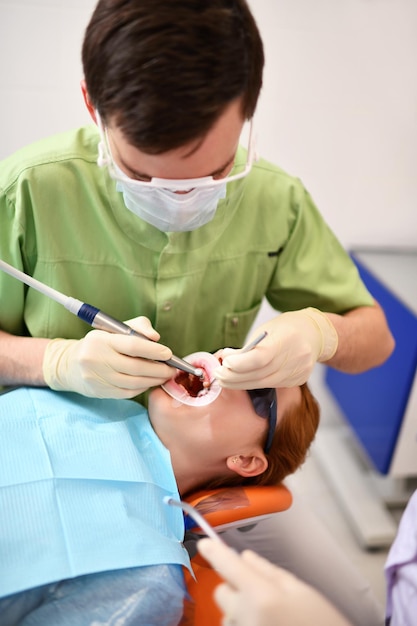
293,436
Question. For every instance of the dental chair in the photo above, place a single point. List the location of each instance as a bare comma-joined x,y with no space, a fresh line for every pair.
224,508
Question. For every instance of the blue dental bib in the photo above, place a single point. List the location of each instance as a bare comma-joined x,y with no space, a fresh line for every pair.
82,483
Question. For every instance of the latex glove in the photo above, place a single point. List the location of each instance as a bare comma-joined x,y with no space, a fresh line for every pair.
296,340
257,593
107,365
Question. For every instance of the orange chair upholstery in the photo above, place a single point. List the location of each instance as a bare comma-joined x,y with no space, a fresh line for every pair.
224,508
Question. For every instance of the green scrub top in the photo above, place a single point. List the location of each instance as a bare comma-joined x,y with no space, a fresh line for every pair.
63,222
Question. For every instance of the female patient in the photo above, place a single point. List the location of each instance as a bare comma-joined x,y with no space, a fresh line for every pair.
84,528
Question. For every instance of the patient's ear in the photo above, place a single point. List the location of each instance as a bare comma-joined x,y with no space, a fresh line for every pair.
246,466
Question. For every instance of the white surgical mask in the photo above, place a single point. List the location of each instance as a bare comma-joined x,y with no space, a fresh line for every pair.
167,210
170,205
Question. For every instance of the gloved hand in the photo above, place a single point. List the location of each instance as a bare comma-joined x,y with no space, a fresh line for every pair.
257,593
296,340
107,365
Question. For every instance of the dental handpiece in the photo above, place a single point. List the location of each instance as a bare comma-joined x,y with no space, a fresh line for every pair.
93,316
100,320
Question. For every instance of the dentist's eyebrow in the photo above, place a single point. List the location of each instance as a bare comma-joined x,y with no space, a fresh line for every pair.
135,174
217,171
125,166
143,176
226,165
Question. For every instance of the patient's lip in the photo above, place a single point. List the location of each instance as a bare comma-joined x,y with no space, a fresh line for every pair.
190,389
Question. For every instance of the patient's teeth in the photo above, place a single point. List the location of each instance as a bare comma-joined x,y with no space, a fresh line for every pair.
190,389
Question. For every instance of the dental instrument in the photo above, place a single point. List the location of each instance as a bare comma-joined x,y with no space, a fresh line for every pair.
254,343
93,316
197,517
246,348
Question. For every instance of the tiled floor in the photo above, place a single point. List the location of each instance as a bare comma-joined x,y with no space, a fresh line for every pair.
311,483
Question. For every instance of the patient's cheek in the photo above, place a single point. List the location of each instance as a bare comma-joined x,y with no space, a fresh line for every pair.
190,389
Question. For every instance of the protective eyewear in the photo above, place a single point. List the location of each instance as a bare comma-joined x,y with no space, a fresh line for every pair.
264,402
186,184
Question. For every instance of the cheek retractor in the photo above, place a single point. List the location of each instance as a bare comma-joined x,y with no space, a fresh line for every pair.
194,390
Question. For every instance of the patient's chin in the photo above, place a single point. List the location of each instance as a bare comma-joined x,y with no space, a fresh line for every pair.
192,390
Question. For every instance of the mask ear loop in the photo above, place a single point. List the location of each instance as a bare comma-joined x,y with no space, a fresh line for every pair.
253,155
104,158
197,517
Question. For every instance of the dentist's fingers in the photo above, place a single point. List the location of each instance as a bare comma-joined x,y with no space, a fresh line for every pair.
107,365
296,341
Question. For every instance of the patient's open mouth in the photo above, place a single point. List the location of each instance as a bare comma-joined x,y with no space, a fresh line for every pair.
193,390
195,385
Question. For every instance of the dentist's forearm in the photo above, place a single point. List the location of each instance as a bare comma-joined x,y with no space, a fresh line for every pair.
365,340
21,360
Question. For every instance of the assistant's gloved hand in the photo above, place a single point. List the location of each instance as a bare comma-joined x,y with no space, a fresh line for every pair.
257,593
296,340
106,365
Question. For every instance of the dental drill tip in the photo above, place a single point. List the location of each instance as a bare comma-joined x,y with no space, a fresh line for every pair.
199,372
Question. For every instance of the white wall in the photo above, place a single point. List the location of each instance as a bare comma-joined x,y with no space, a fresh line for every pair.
338,108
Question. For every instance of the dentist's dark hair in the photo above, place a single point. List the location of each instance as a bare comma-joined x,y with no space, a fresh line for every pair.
163,71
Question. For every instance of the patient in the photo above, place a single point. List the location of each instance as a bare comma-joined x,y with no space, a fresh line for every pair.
85,532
